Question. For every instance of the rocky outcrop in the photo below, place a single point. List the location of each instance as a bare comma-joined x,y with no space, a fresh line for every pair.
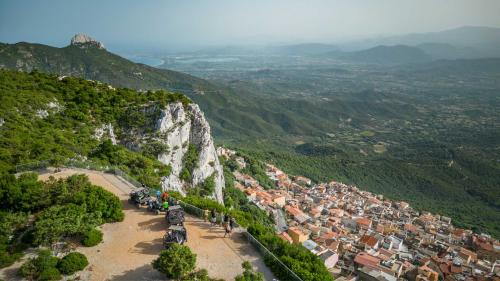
84,41
178,127
106,130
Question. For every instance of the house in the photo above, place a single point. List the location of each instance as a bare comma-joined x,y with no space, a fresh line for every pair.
241,162
364,259
467,256
364,223
297,235
369,242
374,274
393,242
426,273
286,237
302,180
329,258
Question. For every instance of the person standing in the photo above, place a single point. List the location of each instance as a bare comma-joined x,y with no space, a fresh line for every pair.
213,217
227,229
222,216
232,224
164,197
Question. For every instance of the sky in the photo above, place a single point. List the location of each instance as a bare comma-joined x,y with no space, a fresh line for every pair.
181,23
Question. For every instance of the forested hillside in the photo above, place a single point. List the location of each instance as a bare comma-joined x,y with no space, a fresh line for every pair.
46,118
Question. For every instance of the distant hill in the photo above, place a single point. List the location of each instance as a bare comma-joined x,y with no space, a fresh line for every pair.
448,51
399,54
92,62
484,40
462,67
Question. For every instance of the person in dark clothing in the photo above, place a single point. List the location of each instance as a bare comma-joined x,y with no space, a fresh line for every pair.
232,223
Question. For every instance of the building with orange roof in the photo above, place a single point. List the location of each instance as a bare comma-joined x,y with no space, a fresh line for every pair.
364,223
426,273
297,235
365,259
286,237
369,242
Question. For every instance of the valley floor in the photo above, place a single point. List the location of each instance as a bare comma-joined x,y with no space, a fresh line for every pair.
130,246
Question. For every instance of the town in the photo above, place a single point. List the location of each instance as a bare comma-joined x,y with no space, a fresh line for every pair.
364,236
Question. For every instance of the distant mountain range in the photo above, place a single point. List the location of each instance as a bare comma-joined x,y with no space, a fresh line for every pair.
459,43
399,54
462,42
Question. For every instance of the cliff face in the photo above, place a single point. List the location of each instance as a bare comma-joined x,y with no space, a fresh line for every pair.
178,127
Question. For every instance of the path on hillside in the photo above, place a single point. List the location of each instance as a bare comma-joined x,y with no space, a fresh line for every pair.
130,246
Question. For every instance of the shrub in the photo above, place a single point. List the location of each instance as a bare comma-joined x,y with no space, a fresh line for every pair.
249,274
92,237
175,262
199,275
72,263
43,267
50,274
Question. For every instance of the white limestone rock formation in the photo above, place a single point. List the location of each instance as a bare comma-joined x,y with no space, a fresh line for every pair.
178,127
106,130
83,41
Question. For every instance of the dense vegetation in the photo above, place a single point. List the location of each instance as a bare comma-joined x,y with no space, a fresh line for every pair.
189,161
43,267
92,237
300,260
41,213
249,274
48,119
72,263
176,261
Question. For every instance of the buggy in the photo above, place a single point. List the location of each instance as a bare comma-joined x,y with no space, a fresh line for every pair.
155,206
175,234
175,215
139,197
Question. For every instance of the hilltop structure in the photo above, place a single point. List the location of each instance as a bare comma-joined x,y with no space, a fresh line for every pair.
83,41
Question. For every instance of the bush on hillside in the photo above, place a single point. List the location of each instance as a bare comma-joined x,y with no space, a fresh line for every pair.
92,237
72,263
249,274
199,275
175,262
43,267
50,274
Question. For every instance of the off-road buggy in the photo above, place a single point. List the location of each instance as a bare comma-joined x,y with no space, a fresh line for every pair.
154,205
139,196
175,215
175,234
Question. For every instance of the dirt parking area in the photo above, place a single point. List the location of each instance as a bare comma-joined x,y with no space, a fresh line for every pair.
130,246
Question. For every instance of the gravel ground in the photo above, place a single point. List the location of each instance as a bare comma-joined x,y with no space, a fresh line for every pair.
130,246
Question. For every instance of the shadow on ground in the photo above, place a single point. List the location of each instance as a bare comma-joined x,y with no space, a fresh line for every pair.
143,273
149,247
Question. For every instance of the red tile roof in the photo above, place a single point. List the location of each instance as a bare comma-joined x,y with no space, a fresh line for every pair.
365,259
369,240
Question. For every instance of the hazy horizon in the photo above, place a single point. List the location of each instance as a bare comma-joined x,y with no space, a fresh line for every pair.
198,23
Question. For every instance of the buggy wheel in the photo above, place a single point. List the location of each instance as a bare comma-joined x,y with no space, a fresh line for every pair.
157,212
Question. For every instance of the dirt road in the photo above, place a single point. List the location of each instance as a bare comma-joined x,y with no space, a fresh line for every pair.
130,246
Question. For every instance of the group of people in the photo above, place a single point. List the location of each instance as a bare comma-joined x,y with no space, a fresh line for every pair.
163,198
226,221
